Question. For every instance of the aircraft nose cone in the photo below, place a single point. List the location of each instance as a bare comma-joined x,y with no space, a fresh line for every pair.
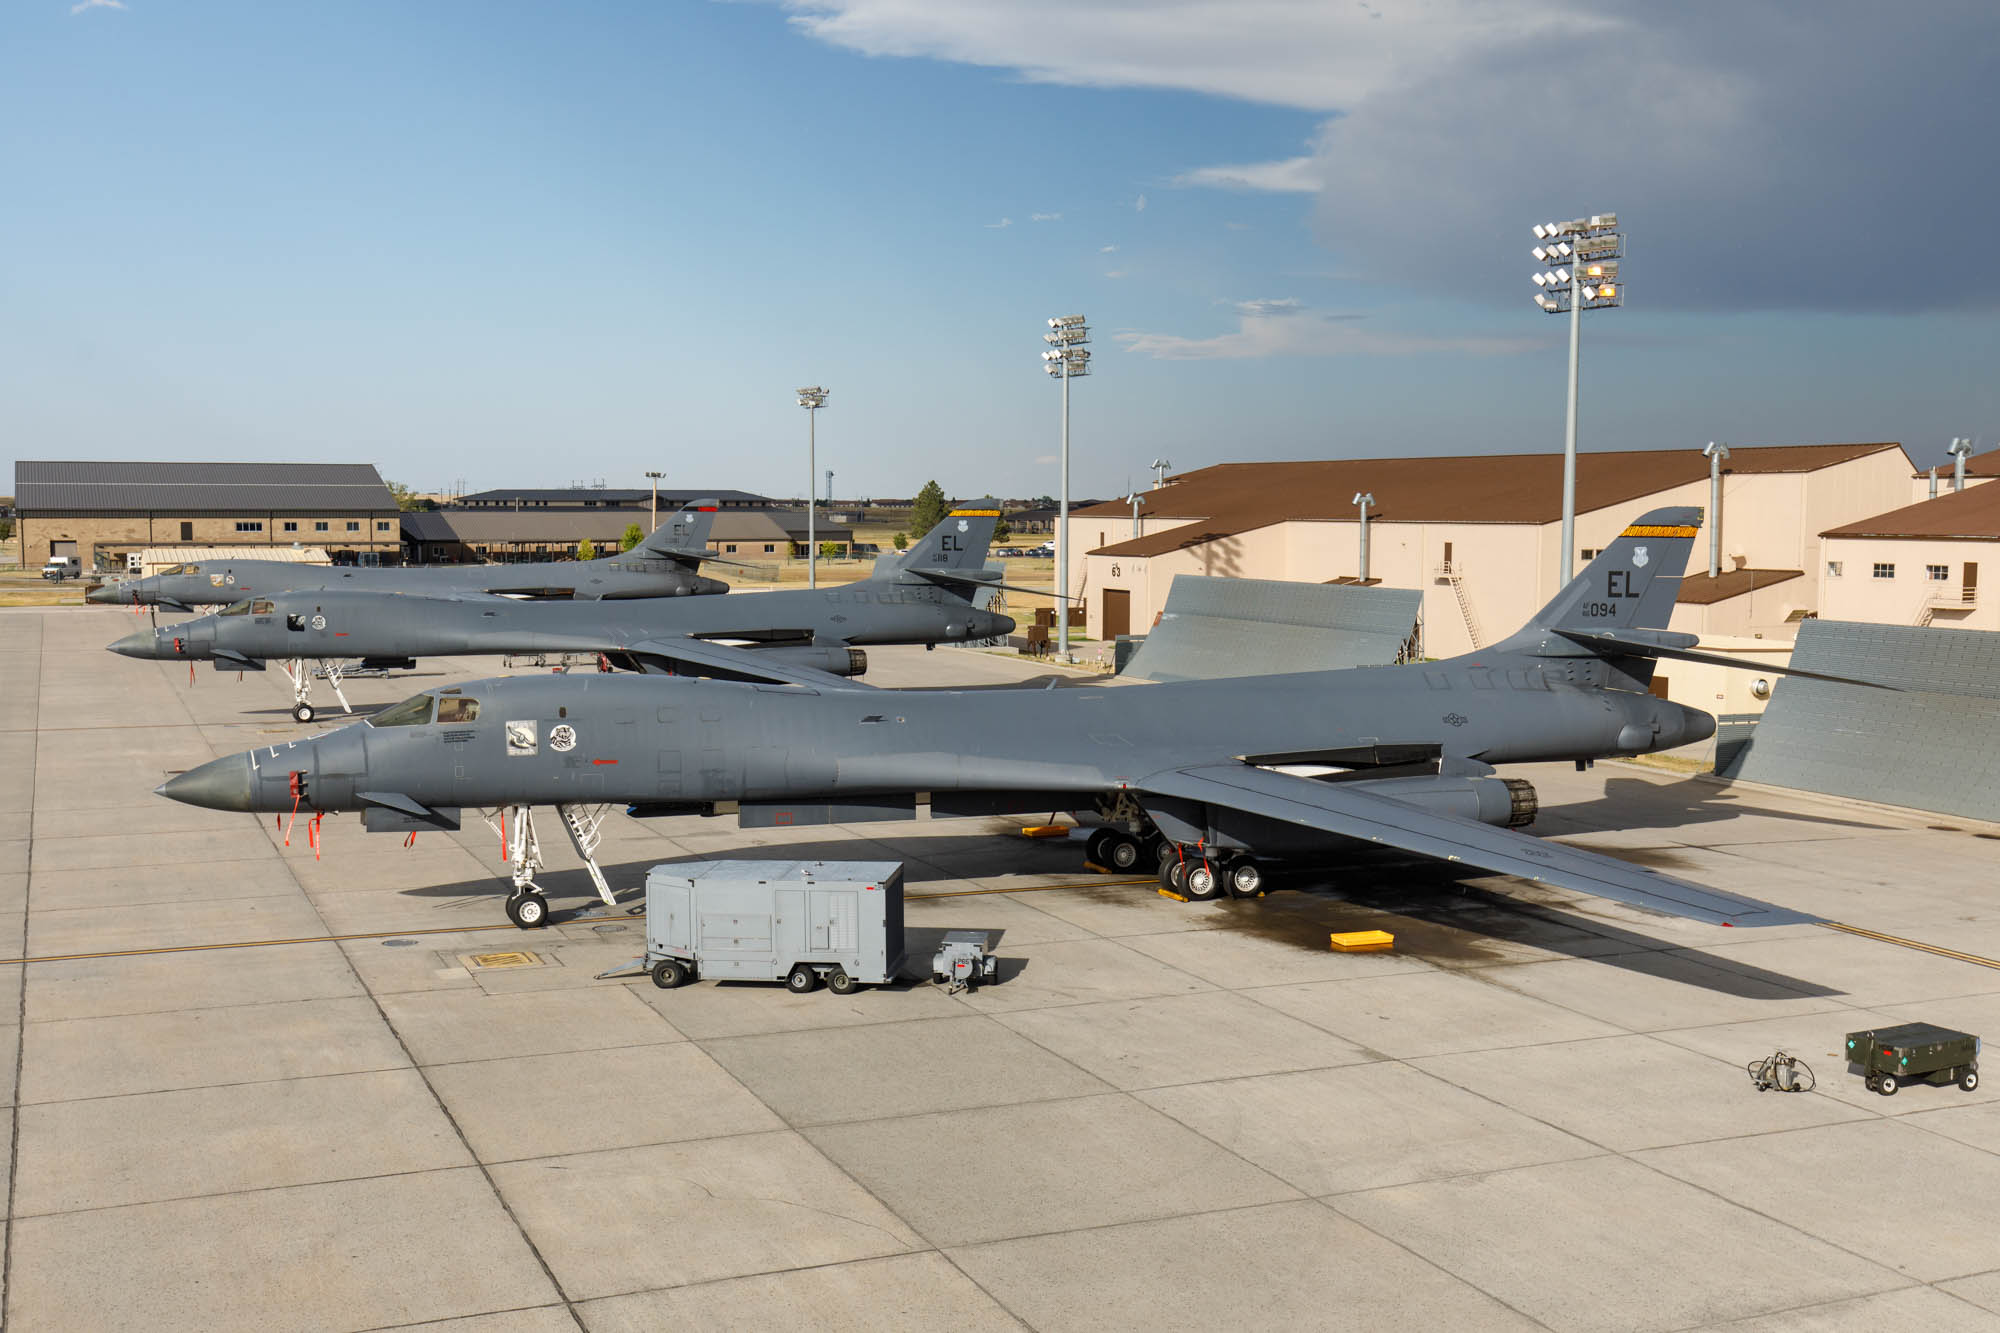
108,595
141,643
221,784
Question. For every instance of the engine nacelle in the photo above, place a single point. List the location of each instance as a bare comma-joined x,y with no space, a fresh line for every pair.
834,661
1505,802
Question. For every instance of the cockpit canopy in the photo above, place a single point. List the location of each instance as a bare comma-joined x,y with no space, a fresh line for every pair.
260,606
180,569
450,707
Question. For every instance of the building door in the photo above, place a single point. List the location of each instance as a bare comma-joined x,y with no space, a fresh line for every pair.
1659,687
1116,613
187,532
63,548
1971,586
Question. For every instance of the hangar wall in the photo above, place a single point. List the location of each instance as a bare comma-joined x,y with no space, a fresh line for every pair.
1933,743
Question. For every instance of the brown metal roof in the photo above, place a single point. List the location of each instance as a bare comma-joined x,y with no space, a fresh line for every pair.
1230,498
1698,589
1972,514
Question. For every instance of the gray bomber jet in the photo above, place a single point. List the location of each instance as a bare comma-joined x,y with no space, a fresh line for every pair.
666,564
1187,775
922,596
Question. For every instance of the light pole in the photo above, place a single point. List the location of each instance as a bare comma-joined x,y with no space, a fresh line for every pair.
1362,500
1066,358
1583,254
812,398
1715,453
655,477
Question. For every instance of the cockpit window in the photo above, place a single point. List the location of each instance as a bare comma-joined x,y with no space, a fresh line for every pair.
178,569
241,608
458,710
413,712
261,607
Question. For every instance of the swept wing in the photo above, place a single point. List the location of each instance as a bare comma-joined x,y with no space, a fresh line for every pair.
1348,809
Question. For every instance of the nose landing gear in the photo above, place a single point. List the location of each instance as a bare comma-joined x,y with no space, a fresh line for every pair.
302,709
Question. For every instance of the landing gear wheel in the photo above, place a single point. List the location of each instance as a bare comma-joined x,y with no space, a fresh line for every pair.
302,712
1202,881
529,911
840,983
802,980
1174,872
1093,850
669,973
1887,1085
1168,863
1122,852
1246,879
1968,1079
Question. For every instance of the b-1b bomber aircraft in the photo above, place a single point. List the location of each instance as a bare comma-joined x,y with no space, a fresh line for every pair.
666,564
1186,775
924,595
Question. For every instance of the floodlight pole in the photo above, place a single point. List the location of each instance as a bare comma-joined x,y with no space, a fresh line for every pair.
655,477
812,398
1566,562
1067,358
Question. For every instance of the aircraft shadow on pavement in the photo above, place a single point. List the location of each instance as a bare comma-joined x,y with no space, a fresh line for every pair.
1444,920
1634,803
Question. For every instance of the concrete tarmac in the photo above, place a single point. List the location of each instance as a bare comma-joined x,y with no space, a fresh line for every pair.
1532,1114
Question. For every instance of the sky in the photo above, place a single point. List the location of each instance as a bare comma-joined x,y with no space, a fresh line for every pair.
510,244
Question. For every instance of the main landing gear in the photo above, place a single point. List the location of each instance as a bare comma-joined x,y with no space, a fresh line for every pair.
527,906
1200,876
302,709
1119,851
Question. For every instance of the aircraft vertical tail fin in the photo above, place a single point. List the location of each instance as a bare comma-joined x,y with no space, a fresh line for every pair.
1633,582
684,536
957,544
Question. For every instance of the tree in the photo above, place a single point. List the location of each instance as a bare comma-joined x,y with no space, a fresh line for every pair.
633,536
586,549
406,499
929,509
1001,532
829,550
902,541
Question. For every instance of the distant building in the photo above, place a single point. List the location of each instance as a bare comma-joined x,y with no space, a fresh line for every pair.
507,536
599,497
1478,534
101,511
1918,565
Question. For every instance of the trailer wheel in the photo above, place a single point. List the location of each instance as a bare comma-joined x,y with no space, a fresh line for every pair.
840,983
669,973
1870,1083
1968,1079
802,980
1887,1085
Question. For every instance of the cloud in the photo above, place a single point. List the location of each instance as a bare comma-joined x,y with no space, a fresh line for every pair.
82,5
1117,273
1048,460
1293,175
1447,128
1284,326
1003,222
1045,217
1107,249
1139,204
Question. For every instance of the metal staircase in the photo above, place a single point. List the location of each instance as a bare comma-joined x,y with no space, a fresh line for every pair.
1448,570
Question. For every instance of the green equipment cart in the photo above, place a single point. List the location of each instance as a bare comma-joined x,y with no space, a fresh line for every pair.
1887,1058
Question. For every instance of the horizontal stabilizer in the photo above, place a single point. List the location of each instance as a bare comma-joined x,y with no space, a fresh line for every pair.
955,581
1641,645
1349,810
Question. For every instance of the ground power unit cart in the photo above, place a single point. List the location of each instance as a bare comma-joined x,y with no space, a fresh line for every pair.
799,922
1887,1058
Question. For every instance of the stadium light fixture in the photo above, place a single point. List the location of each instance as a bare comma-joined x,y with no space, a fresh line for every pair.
655,478
1068,357
812,398
1582,275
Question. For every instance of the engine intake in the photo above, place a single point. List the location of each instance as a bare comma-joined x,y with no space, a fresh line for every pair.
1504,802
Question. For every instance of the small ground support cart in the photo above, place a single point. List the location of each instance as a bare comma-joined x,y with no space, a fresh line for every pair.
1887,1058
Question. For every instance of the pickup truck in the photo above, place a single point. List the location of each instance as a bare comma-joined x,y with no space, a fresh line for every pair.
60,567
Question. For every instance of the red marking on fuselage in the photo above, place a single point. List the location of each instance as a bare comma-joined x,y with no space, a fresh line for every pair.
604,761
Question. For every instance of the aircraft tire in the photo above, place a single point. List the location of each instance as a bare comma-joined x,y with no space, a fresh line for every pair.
801,980
1202,882
302,712
529,911
1123,853
1094,850
1246,879
840,983
669,973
